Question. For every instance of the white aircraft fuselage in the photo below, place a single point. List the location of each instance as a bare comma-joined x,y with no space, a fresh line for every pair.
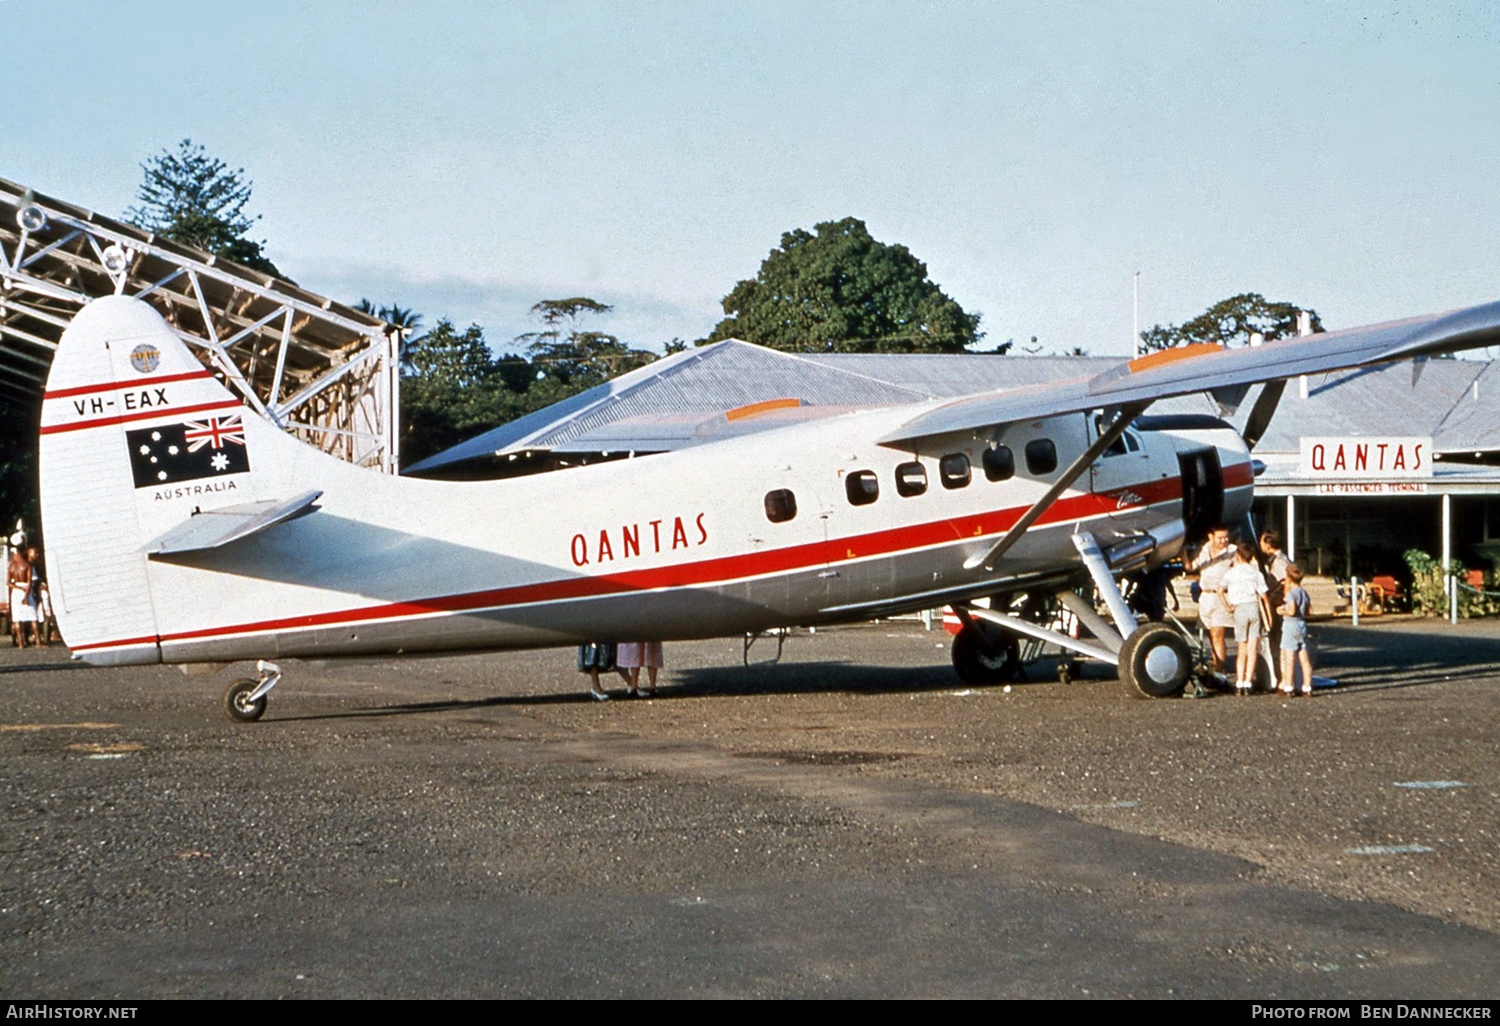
668,546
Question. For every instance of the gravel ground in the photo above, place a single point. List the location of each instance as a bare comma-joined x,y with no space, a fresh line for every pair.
849,822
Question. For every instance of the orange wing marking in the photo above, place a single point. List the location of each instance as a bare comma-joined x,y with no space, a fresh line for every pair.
1166,356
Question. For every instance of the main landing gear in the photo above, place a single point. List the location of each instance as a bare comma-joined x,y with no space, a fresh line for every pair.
1154,658
245,701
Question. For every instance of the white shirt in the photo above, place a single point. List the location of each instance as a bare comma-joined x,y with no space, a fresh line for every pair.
1243,582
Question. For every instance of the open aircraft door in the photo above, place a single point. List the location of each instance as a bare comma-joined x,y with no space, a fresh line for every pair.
1202,492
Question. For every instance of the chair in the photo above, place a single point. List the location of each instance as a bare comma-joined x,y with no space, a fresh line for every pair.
1351,596
1387,593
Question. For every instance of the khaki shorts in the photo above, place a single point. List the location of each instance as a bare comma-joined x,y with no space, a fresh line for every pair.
1247,622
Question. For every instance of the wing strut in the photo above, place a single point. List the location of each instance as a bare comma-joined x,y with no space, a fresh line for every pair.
1262,412
1117,427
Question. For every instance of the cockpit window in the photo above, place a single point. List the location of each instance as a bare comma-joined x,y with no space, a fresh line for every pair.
954,470
862,487
781,505
1119,447
911,479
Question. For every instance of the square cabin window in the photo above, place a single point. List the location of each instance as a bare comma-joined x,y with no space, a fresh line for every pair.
911,479
953,469
1041,456
781,505
999,463
862,487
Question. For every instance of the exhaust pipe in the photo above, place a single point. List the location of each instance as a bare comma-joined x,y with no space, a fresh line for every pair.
1149,550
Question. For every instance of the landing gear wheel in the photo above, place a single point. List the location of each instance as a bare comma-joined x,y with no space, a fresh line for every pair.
238,705
1156,660
981,660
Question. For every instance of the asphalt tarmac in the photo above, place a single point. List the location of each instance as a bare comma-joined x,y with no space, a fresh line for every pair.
851,822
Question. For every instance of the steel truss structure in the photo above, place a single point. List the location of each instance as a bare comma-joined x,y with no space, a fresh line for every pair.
315,368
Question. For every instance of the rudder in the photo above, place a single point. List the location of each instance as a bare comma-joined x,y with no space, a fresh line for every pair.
125,403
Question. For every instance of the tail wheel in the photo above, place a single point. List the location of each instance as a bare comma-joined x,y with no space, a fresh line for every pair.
1157,660
237,701
982,660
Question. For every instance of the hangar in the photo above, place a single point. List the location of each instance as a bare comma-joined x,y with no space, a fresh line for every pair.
316,368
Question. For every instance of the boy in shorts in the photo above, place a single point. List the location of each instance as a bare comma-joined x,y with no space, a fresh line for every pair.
1244,591
1294,634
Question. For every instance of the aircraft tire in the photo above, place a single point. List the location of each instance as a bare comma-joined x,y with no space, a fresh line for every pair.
1156,660
238,708
981,662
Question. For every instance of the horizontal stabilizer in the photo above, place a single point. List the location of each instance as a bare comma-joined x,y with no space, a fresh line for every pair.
211,529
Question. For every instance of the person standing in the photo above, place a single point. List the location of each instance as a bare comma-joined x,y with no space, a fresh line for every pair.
40,599
1211,565
595,657
636,654
1294,635
1244,591
20,586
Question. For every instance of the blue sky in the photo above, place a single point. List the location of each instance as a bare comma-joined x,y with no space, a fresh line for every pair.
469,159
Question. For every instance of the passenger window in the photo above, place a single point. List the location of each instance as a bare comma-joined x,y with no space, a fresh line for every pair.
1041,456
781,505
954,470
862,486
911,479
999,463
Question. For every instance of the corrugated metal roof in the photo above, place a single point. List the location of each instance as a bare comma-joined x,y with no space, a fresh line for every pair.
705,381
1473,422
1373,401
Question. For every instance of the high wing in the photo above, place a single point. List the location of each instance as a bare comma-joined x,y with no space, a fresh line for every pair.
1207,368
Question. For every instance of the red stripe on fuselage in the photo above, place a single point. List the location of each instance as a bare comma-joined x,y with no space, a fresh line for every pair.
153,414
111,386
724,568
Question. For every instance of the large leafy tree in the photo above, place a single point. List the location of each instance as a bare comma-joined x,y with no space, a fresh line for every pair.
451,389
570,357
1230,322
189,197
836,289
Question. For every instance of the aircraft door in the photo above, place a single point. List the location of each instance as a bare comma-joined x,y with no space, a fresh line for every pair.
797,515
1202,492
1121,470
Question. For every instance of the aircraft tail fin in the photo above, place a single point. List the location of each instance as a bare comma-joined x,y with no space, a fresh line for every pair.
136,436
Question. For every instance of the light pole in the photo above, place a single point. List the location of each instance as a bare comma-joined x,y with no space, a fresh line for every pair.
1135,339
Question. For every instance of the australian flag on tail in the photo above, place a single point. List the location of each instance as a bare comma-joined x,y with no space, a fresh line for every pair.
171,453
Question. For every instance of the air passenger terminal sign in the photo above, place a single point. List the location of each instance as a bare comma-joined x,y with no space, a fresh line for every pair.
1367,466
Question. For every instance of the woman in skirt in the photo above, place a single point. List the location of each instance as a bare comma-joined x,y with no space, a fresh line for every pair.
635,654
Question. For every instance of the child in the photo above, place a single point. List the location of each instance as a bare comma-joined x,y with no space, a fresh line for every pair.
1243,590
1294,634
